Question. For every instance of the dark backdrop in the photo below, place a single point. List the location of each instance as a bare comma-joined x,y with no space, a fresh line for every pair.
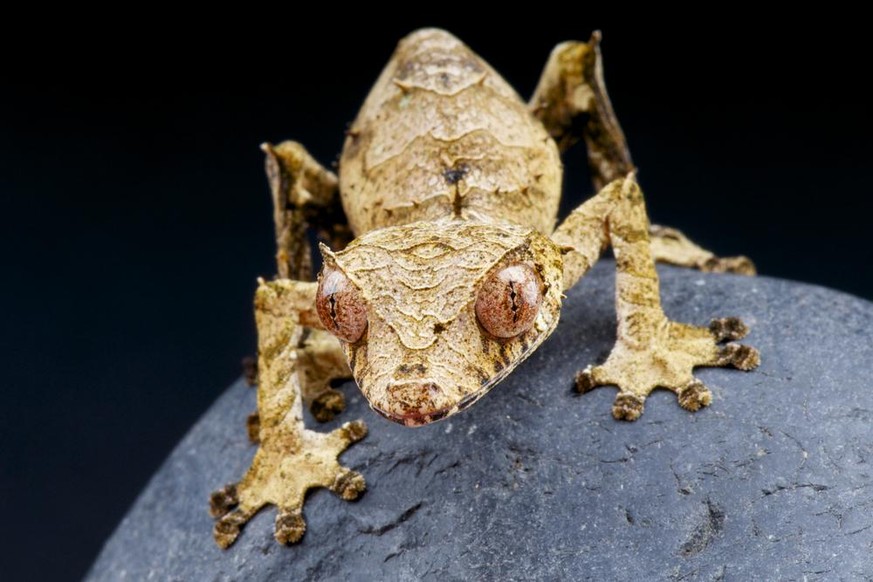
135,216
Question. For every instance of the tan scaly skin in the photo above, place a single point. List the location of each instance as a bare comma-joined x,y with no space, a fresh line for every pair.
449,187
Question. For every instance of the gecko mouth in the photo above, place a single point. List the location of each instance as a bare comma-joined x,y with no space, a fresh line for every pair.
415,419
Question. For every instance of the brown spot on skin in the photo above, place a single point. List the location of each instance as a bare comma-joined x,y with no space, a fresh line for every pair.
525,344
505,357
340,307
509,301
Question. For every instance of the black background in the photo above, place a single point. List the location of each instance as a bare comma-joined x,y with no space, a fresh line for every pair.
135,216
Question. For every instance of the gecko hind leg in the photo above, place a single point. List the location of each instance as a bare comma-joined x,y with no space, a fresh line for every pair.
674,248
305,194
572,103
651,351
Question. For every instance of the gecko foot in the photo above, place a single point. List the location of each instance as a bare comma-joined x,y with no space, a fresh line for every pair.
284,468
666,360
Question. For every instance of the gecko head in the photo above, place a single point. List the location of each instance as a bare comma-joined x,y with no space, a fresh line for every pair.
431,315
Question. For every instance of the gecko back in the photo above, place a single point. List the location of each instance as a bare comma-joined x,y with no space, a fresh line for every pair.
442,134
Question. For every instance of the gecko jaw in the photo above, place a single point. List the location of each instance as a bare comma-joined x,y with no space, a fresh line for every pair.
416,419
414,402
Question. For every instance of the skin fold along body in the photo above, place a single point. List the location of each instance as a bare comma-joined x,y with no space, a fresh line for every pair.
443,268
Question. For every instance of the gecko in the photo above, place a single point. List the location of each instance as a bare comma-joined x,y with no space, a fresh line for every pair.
443,267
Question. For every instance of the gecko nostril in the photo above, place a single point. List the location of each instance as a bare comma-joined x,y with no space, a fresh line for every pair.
405,372
416,394
414,402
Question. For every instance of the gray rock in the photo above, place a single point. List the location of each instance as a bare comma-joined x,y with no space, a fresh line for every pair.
773,481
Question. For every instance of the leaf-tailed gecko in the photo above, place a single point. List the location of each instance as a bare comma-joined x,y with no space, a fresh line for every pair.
444,269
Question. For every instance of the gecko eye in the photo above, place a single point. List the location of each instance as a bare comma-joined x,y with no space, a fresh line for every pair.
509,301
340,306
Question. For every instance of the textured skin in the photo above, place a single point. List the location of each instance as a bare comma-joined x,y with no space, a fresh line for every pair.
423,329
442,134
446,179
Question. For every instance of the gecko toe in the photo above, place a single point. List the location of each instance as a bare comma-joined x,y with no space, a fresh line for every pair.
290,526
353,431
227,529
728,328
349,484
627,406
223,500
327,405
739,356
585,380
694,396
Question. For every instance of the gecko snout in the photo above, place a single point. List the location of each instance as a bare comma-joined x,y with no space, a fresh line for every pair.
414,403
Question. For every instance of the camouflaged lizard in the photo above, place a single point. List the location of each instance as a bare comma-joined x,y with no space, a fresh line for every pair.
445,269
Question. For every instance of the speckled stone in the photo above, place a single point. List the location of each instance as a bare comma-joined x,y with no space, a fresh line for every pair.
772,482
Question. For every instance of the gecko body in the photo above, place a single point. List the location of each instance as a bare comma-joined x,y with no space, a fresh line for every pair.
444,270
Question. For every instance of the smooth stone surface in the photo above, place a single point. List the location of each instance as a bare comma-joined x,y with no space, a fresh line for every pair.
772,482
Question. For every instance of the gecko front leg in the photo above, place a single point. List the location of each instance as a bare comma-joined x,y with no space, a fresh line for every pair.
290,459
321,361
651,350
296,363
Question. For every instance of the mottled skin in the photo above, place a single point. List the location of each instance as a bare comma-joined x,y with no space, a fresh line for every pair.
455,272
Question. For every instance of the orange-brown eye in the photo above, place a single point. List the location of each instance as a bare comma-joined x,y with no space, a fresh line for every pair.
340,306
509,301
